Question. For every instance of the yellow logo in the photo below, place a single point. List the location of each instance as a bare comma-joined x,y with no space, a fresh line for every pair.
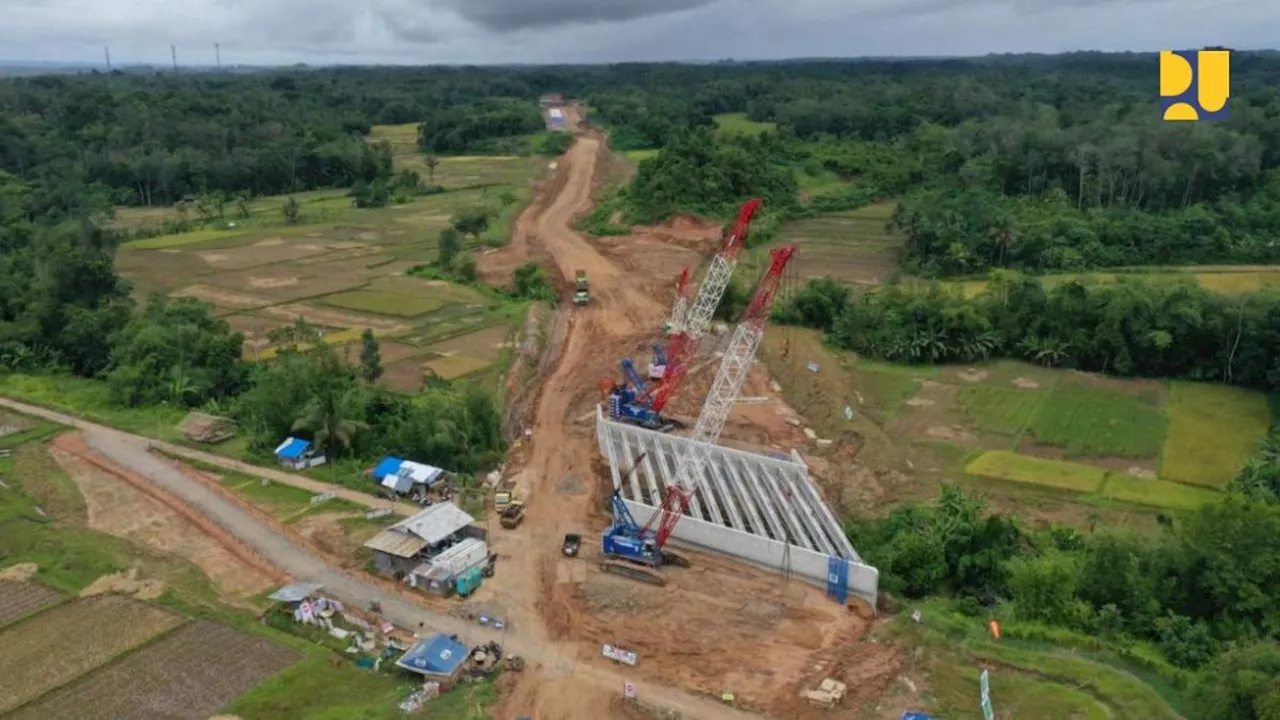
1195,84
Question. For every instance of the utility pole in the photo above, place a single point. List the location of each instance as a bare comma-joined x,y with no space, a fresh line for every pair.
217,54
173,51
107,51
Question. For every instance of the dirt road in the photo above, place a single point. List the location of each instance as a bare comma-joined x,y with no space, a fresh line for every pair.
719,626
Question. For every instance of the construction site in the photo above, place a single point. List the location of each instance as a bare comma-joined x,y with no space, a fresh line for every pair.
704,554
654,547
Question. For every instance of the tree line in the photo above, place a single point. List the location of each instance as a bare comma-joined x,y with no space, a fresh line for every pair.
1136,326
1204,593
1051,164
63,308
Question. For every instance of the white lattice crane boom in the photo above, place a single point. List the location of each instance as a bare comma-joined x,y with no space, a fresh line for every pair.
737,363
693,321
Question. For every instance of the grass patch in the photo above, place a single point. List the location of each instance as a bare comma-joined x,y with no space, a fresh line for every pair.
638,156
1016,694
39,429
180,239
1005,465
1095,421
456,366
890,386
90,400
1212,428
734,123
1238,283
999,410
276,498
1075,677
1158,493
383,303
316,690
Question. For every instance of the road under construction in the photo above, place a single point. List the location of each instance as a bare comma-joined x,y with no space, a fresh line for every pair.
752,616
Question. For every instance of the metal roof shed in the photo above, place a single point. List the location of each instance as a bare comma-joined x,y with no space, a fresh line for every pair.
292,448
295,592
436,657
419,473
398,483
436,523
396,542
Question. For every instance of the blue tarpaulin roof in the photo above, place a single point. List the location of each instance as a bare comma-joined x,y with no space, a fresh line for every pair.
435,655
292,448
917,716
386,466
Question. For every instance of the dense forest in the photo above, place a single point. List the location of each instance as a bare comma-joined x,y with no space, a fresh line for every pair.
1005,168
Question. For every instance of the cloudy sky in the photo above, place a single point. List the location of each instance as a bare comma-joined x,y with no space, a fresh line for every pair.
538,31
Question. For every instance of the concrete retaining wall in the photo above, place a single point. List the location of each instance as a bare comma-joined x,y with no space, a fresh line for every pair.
759,550
864,580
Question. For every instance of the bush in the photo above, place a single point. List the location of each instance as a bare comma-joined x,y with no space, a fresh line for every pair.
530,281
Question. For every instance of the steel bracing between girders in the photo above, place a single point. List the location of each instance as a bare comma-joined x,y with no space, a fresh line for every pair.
772,498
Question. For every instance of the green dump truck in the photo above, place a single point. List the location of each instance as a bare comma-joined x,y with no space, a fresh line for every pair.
580,296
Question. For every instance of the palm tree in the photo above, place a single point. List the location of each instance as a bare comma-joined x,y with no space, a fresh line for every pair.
328,420
180,388
432,161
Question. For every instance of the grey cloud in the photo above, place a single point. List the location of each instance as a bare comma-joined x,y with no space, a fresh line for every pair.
542,31
508,15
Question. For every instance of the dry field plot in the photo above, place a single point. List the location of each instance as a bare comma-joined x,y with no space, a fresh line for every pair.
851,246
117,508
189,674
1141,442
162,271
446,293
282,283
452,172
452,368
449,359
22,598
384,303
332,318
62,644
269,251
220,297
486,344
393,352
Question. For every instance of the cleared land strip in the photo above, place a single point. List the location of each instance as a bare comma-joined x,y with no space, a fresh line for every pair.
130,451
